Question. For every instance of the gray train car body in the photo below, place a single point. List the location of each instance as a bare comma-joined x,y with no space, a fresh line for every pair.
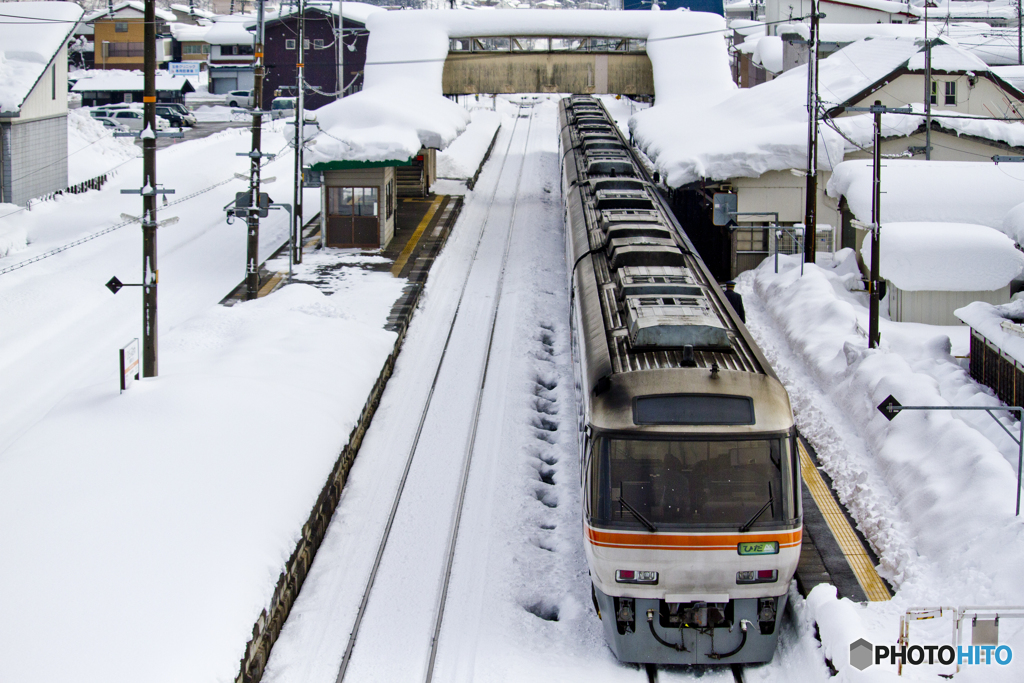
691,486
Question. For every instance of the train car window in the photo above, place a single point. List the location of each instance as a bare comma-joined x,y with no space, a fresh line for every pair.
719,483
693,409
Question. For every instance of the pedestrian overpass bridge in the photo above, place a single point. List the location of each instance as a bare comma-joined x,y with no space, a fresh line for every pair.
552,64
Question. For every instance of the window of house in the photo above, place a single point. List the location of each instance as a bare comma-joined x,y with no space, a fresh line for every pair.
206,49
289,44
120,27
318,44
244,50
950,93
751,240
305,43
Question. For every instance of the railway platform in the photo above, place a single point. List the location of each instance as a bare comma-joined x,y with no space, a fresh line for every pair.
833,550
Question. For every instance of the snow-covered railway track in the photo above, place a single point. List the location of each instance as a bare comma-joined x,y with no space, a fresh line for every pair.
516,137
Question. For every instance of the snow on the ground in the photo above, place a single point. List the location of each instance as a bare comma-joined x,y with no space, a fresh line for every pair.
92,149
933,492
462,158
168,511
207,113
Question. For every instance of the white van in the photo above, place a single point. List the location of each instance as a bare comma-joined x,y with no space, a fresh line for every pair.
133,119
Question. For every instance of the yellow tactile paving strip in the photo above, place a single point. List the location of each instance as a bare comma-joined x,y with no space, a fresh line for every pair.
270,285
849,543
403,258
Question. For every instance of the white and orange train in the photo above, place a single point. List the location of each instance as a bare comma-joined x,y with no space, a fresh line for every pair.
691,484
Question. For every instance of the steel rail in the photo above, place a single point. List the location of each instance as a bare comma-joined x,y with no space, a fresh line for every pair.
364,602
478,402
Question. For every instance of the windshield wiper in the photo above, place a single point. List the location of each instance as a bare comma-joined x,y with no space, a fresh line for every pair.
771,500
643,520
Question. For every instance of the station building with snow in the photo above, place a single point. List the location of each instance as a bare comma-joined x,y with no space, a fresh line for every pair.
33,98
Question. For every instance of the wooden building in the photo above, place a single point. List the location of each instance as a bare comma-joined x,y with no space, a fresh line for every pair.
119,32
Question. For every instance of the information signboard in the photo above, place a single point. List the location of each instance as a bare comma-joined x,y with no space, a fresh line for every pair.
183,68
129,363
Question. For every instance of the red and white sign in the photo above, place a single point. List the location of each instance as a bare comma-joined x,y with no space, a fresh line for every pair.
129,363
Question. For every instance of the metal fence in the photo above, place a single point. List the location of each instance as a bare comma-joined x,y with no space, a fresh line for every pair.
84,186
995,369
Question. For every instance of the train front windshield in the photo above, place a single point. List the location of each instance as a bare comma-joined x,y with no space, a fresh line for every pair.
691,483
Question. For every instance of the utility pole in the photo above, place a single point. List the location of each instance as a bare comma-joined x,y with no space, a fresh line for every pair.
811,199
1020,37
252,251
300,85
341,50
927,88
876,198
150,273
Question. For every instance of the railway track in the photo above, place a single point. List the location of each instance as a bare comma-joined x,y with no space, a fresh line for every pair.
652,672
440,600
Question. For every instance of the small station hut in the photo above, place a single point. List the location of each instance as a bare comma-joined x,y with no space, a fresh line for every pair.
932,269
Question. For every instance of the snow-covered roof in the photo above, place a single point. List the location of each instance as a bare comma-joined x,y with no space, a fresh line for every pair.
977,192
888,6
130,81
851,33
185,9
139,7
30,36
230,30
945,257
988,320
959,9
763,128
948,58
189,32
353,11
405,58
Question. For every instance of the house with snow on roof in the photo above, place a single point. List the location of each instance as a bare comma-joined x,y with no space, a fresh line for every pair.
754,143
931,269
116,87
34,99
232,53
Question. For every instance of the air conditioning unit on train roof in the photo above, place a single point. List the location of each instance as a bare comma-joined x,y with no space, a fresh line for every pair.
623,199
655,280
612,217
663,322
626,230
625,254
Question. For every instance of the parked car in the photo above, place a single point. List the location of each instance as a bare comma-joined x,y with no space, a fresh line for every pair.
239,98
176,117
133,119
283,107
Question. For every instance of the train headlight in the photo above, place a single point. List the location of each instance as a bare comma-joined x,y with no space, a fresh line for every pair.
633,576
758,576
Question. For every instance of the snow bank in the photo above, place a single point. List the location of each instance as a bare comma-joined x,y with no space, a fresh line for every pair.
462,158
934,191
168,511
31,33
946,257
932,492
988,320
92,149
126,80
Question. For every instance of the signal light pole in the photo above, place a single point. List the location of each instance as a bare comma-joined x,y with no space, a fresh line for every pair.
252,250
811,198
150,273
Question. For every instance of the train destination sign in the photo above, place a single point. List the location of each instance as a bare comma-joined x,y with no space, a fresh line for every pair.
762,548
129,363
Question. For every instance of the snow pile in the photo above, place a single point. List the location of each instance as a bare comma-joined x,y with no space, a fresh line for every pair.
401,106
768,53
31,33
763,128
462,158
13,236
92,149
933,492
988,320
946,257
934,191
171,509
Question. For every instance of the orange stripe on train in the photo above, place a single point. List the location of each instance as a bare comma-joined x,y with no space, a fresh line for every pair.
655,541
